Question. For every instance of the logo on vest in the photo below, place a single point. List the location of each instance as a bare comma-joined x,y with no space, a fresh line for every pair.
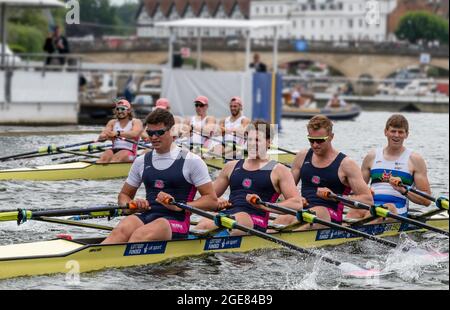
385,177
247,183
159,184
315,180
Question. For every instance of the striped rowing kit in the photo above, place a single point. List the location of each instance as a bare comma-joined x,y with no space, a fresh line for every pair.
380,174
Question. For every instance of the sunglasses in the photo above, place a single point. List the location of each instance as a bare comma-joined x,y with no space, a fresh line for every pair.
121,109
200,105
318,140
157,133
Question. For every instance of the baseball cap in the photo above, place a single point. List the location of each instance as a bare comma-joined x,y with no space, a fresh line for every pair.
123,103
237,99
202,99
162,103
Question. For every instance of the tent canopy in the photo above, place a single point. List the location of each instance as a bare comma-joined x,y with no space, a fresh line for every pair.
32,3
246,25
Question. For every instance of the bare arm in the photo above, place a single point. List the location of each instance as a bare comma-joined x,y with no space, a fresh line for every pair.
297,165
208,200
223,180
353,175
288,189
367,165
107,131
420,180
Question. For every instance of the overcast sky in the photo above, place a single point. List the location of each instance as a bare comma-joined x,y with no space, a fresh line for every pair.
120,2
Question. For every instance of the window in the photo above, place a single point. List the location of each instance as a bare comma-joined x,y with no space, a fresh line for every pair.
313,23
322,23
361,24
350,23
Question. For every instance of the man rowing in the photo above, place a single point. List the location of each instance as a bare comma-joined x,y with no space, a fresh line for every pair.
167,172
124,126
256,176
233,128
395,161
323,168
202,126
164,104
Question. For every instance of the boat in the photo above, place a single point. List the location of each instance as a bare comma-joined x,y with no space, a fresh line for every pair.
346,113
88,170
86,255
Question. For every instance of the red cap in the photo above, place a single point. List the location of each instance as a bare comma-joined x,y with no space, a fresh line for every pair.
202,99
162,103
238,100
123,103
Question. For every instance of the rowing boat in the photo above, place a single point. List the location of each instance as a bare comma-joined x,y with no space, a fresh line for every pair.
87,170
345,113
84,255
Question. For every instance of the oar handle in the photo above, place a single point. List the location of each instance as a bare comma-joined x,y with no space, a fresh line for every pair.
308,216
441,202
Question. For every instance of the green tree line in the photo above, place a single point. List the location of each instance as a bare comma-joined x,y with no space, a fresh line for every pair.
28,28
422,26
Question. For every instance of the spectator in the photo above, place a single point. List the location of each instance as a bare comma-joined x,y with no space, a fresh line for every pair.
56,43
336,102
257,65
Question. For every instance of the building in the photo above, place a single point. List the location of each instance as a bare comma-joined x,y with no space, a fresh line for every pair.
316,20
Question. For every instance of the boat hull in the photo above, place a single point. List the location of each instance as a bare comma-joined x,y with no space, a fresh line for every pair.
334,114
78,256
94,171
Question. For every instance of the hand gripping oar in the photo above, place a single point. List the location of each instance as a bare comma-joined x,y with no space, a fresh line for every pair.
308,217
379,211
23,215
48,150
229,223
441,202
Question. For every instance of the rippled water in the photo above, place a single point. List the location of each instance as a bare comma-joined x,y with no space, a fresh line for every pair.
266,269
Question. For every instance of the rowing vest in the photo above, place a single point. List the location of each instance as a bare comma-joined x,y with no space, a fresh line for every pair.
382,171
196,138
244,182
119,144
229,125
170,181
313,178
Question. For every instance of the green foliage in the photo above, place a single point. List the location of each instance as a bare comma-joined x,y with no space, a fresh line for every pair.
421,25
25,39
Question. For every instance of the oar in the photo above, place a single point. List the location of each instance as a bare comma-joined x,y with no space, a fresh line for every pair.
50,149
380,211
230,223
441,202
308,217
22,215
73,223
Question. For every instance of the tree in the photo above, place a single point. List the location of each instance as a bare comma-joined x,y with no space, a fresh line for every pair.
422,25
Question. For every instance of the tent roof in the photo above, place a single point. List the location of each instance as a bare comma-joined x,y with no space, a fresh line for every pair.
221,23
32,3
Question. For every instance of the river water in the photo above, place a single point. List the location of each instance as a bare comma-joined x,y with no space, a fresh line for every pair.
266,269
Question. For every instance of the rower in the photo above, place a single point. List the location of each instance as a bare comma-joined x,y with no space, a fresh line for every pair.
167,172
257,176
233,128
394,161
202,125
322,168
164,103
124,126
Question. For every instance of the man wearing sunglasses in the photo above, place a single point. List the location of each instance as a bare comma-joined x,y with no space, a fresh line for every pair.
166,172
124,126
322,167
255,177
202,126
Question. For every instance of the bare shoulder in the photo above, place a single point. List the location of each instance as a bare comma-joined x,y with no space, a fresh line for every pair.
417,160
229,167
371,155
300,158
349,165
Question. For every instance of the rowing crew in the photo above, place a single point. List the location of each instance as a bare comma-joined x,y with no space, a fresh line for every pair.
170,173
125,131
